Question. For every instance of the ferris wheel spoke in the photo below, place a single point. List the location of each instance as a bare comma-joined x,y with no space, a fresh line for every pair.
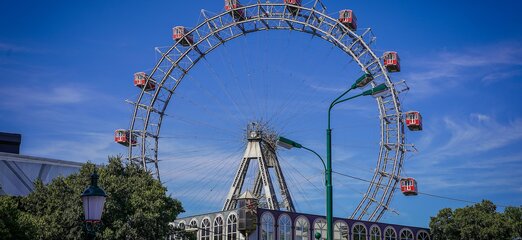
225,57
298,184
203,164
215,99
206,180
236,101
250,77
224,89
196,122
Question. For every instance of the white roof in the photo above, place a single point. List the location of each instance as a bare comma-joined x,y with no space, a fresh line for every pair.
19,172
247,195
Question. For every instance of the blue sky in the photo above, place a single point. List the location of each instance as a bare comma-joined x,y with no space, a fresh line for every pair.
66,69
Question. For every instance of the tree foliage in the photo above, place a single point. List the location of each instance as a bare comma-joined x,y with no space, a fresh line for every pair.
479,221
514,216
181,233
14,223
137,206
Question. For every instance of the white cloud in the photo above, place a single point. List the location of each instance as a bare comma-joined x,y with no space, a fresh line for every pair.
83,147
449,69
460,136
484,136
328,89
469,153
497,76
480,117
506,53
23,97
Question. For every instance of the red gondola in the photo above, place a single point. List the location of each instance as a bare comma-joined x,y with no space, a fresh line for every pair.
293,2
392,61
409,186
414,121
140,80
294,10
181,34
348,18
122,137
232,6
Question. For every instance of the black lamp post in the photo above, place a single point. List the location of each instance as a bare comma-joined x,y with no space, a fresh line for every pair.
93,199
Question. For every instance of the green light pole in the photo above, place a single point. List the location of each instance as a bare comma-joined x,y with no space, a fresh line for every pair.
361,82
287,143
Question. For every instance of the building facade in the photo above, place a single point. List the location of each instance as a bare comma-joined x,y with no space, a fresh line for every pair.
280,225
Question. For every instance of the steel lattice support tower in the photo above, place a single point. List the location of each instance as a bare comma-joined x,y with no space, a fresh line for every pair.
261,148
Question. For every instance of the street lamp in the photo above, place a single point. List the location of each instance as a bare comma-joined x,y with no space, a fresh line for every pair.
93,199
287,143
361,82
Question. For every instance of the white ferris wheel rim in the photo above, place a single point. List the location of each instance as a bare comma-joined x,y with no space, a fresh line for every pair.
176,62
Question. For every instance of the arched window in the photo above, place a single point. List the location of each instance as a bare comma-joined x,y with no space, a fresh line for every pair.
232,227
359,232
375,233
285,227
320,226
194,226
205,229
406,234
340,231
302,227
267,227
390,234
218,228
423,235
181,225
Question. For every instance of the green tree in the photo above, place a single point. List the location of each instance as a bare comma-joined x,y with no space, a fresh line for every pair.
137,205
514,216
14,223
479,221
181,233
443,225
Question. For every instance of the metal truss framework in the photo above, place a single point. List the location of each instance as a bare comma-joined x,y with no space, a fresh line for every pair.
214,30
260,148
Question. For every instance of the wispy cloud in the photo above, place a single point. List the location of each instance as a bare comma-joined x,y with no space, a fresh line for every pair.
484,135
470,153
480,117
33,96
448,69
465,136
82,147
327,89
497,76
507,53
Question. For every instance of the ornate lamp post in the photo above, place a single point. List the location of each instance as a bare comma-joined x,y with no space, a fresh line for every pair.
93,199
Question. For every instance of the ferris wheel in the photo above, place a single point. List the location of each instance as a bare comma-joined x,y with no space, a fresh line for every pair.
192,45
